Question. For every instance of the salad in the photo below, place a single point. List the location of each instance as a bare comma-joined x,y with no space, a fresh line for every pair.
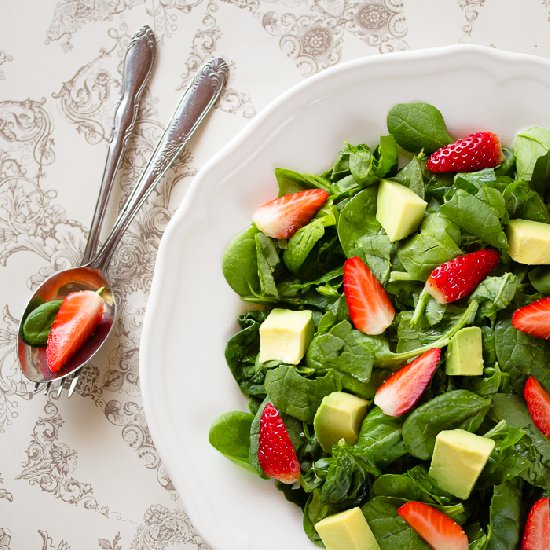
395,354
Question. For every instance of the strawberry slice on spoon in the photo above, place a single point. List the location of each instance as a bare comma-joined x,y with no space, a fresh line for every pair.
400,392
281,218
369,305
79,315
435,527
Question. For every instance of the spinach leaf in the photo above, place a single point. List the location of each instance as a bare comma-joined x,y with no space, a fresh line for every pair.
415,484
478,214
362,235
529,146
525,203
292,182
241,352
296,395
495,293
314,511
518,354
302,243
346,350
348,478
412,176
505,516
240,263
38,323
418,126
386,157
390,529
505,461
437,242
490,382
540,279
534,446
381,438
268,262
230,435
450,410
541,176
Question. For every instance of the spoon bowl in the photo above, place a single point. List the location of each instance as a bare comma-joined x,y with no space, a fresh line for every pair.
33,359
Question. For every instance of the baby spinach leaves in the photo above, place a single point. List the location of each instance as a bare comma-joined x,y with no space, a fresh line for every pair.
240,264
230,435
454,409
296,395
38,323
417,127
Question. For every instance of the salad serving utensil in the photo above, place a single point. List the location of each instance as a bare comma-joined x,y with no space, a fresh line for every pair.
195,104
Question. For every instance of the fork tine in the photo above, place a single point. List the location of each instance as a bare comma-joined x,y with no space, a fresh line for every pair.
73,384
47,388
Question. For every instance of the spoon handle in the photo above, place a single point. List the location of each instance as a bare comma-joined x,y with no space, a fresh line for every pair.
196,102
138,64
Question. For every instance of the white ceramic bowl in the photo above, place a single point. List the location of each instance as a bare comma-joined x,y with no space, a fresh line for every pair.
191,312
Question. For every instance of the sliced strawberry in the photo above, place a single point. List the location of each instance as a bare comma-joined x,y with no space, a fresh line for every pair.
538,404
536,534
77,318
459,277
435,527
534,318
369,305
276,454
282,217
474,152
403,388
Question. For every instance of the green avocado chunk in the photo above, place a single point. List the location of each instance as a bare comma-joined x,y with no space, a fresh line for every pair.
458,459
465,353
398,209
347,530
339,417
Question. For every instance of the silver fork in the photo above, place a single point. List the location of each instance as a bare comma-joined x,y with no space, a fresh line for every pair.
138,65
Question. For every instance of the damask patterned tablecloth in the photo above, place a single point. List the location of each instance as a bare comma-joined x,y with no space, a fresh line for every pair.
83,473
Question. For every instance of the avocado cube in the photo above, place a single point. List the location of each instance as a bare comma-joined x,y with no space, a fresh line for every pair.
458,459
398,209
339,417
347,530
465,353
285,335
529,242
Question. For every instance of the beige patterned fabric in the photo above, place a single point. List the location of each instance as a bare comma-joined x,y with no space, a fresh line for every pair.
83,473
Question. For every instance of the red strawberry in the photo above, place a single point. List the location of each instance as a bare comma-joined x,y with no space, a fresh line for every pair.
474,152
79,315
435,527
276,454
459,277
534,318
538,403
536,535
403,388
282,217
369,305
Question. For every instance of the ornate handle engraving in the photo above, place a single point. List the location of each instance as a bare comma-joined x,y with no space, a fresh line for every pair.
138,65
196,102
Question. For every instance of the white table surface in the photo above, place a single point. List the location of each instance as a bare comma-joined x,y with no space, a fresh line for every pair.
83,473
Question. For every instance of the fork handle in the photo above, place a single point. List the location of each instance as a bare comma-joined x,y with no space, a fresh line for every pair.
138,64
